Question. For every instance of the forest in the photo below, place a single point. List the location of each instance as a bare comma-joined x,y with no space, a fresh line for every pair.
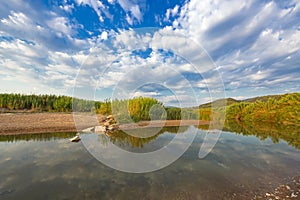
44,103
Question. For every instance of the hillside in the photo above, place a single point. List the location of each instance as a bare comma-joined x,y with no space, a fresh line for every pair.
220,102
264,98
282,109
230,101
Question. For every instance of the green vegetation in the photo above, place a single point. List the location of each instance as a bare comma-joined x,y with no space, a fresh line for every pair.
282,109
219,103
274,131
123,139
136,109
276,116
36,137
45,103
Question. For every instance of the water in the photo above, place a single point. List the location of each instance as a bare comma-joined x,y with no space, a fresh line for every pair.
48,166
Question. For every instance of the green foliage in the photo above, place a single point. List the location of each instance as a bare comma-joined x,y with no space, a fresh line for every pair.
205,114
36,137
105,108
46,103
284,110
136,109
139,108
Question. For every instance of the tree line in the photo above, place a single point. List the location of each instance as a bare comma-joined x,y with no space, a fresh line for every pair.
45,103
124,110
282,109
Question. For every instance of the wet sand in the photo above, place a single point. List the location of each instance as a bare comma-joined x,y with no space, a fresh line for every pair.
22,123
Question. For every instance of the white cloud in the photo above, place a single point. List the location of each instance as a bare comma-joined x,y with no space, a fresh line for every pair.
34,66
51,30
67,7
60,24
249,39
20,23
132,8
98,6
254,44
104,35
129,19
171,12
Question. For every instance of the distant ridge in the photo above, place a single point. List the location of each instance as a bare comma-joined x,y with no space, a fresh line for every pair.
220,102
229,101
265,98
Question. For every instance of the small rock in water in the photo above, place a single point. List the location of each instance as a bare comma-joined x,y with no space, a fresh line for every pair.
75,138
288,187
293,195
268,194
6,192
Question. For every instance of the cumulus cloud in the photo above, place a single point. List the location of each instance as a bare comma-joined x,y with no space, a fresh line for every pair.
52,31
155,70
171,12
33,66
253,45
132,8
251,39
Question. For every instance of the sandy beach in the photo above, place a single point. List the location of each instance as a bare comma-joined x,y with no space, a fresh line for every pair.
22,123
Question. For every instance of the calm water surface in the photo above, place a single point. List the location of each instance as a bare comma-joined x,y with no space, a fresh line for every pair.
48,166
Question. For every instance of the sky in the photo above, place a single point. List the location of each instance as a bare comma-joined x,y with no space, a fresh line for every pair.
182,52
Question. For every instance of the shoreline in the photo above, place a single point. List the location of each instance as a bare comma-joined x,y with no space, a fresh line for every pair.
34,123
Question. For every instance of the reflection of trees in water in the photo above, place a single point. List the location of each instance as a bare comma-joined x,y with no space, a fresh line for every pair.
36,137
123,139
288,133
117,136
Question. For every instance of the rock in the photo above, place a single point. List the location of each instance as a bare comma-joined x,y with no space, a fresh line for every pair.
75,139
100,129
268,194
293,195
112,127
91,129
106,123
109,117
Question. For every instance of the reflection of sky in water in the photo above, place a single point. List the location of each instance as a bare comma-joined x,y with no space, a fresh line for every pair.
58,169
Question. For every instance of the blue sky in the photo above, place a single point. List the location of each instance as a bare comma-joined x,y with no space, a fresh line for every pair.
124,48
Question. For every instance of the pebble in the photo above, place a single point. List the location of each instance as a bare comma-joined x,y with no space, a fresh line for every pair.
293,195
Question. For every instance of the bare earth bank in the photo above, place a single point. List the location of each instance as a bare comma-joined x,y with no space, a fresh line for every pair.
22,123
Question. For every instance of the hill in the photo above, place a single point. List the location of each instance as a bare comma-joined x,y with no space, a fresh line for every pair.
264,98
280,109
220,102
